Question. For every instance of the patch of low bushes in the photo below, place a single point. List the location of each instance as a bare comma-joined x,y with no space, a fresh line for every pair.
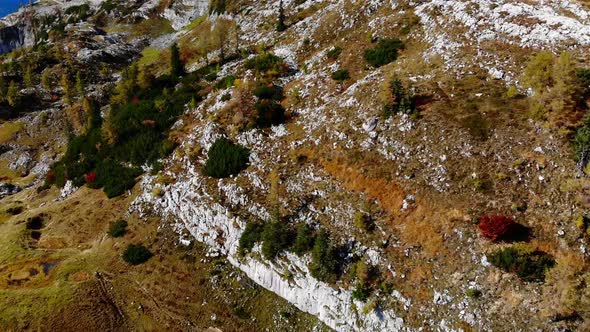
340,75
267,64
268,92
15,210
225,158
226,82
136,254
528,265
386,51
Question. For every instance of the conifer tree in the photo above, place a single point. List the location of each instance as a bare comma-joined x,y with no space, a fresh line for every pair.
28,76
12,94
80,84
281,26
46,79
66,84
3,89
177,68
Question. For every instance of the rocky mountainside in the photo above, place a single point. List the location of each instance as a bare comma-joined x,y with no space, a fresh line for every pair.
380,165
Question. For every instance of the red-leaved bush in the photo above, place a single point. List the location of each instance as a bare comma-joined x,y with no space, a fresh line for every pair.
50,177
90,177
497,227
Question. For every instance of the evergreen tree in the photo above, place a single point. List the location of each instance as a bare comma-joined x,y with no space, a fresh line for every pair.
80,84
66,84
177,68
46,79
3,89
28,76
12,94
281,26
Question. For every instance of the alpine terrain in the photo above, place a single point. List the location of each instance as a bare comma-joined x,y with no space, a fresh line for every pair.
295,165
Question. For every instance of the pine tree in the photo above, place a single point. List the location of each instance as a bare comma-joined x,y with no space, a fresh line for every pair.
177,68
281,26
80,85
46,79
66,84
28,76
3,89
12,94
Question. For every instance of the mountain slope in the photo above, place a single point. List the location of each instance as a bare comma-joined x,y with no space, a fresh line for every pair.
396,167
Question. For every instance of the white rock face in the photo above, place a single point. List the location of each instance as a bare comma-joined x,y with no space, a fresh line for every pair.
208,222
182,12
554,25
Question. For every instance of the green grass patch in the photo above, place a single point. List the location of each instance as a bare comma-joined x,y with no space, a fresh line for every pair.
149,56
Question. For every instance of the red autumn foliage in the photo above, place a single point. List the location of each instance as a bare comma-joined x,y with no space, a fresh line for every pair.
497,227
90,177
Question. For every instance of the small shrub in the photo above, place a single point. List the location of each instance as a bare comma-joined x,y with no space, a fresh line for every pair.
217,6
267,63
477,126
269,113
35,222
226,82
334,53
473,293
385,51
363,222
268,92
136,254
341,75
118,228
361,292
365,273
226,97
528,265
276,237
15,210
225,158
241,313
252,234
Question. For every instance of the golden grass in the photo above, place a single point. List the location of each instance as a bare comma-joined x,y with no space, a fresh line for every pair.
8,130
